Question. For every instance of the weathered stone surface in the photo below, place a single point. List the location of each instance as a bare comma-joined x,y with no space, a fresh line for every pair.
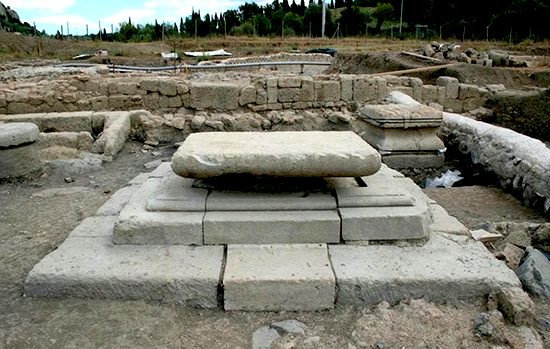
137,226
207,95
115,133
285,154
443,270
248,95
286,81
78,140
327,91
94,227
271,227
278,277
373,197
517,306
117,201
91,267
421,139
288,94
284,201
17,133
383,223
20,162
445,223
177,194
264,337
401,116
451,86
534,273
290,326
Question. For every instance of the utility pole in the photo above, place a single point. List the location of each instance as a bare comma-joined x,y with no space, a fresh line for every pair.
68,29
61,29
323,19
100,31
401,19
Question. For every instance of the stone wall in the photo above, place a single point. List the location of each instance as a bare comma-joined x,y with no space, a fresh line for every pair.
228,92
522,163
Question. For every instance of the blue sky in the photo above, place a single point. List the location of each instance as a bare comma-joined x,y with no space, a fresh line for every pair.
51,14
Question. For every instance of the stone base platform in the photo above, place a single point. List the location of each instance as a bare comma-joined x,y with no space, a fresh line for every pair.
448,267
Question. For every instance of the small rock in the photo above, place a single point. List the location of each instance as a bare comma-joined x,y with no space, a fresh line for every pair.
517,306
512,255
215,125
68,180
197,122
485,236
312,340
156,153
147,147
264,337
151,143
534,273
483,326
289,326
152,164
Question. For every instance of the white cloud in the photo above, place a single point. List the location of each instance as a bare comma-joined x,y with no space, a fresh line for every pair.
137,15
52,6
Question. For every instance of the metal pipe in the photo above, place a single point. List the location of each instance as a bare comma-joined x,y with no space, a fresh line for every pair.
190,67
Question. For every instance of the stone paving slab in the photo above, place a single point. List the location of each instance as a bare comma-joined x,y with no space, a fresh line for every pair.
136,225
176,193
282,154
92,267
117,201
401,116
445,223
383,223
94,227
447,268
248,201
278,278
271,227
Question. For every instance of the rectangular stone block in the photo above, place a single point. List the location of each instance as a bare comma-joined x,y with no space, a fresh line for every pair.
443,270
445,223
289,94
210,95
247,201
95,268
364,90
278,278
175,194
383,223
137,226
347,88
286,82
308,90
117,201
271,227
327,91
163,170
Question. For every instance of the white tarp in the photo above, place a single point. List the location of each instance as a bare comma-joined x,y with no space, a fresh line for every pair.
221,52
172,55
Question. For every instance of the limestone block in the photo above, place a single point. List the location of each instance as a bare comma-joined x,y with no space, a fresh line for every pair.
401,116
373,197
455,105
327,91
347,88
127,88
382,86
278,278
247,95
364,90
177,194
150,85
182,89
383,223
117,201
151,101
471,91
116,102
289,94
92,267
451,85
170,102
19,108
402,161
100,103
168,88
164,170
209,95
444,270
20,162
261,97
445,223
271,227
18,133
308,90
137,226
430,94
115,133
285,82
285,154
282,201
111,88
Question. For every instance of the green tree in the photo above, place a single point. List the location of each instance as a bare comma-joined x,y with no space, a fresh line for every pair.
382,12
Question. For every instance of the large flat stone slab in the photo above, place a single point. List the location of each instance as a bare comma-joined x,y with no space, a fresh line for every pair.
88,265
278,277
445,269
373,197
401,116
136,225
283,154
271,227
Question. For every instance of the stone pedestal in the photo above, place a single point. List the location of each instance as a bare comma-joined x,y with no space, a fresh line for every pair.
405,135
19,153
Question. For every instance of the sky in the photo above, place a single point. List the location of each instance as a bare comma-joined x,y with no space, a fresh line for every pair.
49,15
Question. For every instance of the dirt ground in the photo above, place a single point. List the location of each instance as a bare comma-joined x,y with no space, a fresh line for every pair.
32,226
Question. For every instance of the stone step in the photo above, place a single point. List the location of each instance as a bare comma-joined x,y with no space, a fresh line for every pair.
88,265
278,278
